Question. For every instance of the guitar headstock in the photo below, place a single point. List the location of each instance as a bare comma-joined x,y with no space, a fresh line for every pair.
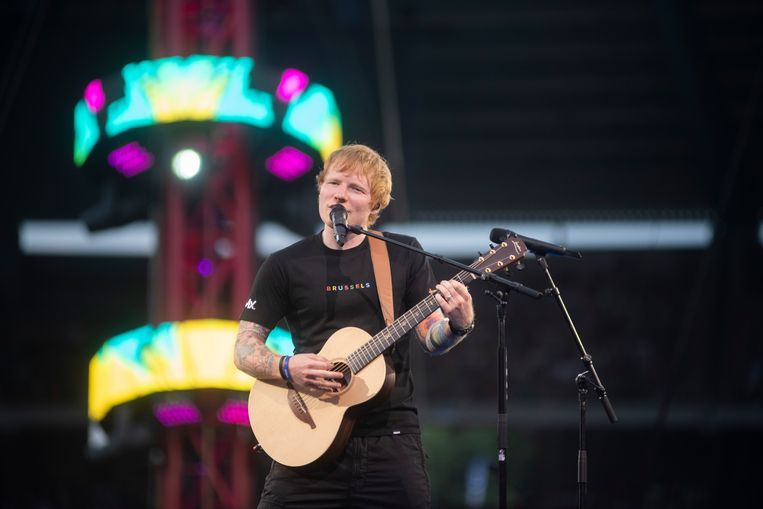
501,256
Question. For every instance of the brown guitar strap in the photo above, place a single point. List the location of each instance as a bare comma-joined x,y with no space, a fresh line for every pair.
383,276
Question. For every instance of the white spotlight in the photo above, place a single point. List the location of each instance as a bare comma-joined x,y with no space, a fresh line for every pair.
186,164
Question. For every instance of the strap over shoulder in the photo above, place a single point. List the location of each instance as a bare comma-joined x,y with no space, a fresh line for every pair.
383,276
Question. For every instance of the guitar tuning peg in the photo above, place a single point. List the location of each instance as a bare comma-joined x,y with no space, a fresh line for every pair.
520,265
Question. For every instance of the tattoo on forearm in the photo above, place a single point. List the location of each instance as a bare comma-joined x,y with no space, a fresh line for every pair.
251,355
422,329
440,338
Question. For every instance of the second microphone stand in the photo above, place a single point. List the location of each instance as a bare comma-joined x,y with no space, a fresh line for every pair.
584,381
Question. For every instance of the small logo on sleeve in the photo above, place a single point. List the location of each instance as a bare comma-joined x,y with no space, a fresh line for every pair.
250,304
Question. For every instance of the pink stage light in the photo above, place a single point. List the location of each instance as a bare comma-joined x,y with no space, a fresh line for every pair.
178,413
293,82
234,412
289,163
95,99
131,159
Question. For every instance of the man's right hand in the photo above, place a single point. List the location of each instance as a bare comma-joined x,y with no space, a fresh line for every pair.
313,371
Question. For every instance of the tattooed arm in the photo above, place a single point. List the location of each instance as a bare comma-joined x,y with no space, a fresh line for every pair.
435,336
435,333
254,358
251,355
435,321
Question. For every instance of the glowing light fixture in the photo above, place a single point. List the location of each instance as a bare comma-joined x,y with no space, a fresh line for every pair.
234,412
313,118
206,88
130,159
279,340
172,356
177,413
186,164
293,82
289,163
86,132
196,88
94,96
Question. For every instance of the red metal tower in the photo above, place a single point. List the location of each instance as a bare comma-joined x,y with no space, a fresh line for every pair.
207,465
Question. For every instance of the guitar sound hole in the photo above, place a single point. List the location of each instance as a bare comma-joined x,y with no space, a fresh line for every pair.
344,368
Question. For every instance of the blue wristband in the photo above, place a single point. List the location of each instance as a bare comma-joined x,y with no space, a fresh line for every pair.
286,368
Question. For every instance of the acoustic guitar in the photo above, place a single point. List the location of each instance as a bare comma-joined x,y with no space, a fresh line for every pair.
302,427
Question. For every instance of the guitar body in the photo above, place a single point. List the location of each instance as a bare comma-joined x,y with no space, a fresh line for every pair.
297,438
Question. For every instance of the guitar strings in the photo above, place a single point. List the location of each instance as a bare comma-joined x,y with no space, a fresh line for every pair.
366,353
308,398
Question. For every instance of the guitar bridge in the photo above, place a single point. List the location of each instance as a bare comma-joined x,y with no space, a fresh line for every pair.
299,407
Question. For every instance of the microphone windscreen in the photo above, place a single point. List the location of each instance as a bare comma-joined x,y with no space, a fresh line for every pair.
338,214
498,235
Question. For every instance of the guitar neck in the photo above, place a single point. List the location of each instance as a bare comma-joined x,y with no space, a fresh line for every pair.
399,328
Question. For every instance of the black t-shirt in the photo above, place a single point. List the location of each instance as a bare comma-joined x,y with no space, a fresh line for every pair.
319,290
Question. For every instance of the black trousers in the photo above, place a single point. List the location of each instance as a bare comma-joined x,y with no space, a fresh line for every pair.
384,472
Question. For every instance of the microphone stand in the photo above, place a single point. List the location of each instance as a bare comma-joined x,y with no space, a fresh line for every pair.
588,379
485,276
502,302
503,365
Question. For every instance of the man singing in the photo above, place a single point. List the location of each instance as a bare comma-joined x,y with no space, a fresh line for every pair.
320,286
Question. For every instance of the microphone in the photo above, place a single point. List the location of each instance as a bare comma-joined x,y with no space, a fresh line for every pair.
538,247
338,217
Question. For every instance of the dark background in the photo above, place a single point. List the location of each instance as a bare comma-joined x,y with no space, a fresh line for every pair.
547,110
